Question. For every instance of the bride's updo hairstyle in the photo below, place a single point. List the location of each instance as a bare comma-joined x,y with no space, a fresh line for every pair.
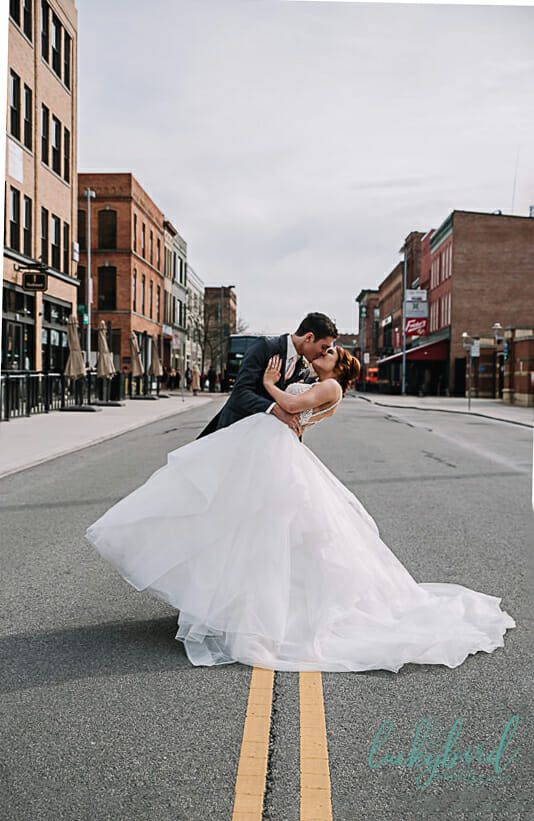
347,368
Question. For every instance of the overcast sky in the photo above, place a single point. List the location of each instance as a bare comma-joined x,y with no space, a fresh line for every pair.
295,145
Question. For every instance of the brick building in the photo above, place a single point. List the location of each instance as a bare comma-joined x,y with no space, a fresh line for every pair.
220,318
127,249
41,183
478,270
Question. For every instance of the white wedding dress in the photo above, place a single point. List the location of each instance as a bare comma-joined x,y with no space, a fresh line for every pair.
274,563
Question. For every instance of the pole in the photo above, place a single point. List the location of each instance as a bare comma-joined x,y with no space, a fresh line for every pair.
90,195
404,281
469,381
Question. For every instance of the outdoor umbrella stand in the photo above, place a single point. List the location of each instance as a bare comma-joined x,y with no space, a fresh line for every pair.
156,368
75,369
137,368
105,369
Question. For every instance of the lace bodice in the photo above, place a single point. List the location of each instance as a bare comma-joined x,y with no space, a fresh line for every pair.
311,416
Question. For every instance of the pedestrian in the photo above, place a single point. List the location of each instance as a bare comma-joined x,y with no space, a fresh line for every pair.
188,377
203,378
178,379
212,378
195,380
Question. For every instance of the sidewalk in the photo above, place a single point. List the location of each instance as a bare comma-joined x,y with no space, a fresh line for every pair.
30,440
490,408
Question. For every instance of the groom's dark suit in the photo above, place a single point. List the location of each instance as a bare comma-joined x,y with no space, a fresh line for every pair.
248,395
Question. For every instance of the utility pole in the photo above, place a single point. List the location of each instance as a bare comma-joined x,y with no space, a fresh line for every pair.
90,195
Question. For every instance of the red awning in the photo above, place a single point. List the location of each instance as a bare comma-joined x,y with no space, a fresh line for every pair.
437,351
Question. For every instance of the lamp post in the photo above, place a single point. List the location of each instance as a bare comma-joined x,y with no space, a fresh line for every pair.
498,334
472,345
90,194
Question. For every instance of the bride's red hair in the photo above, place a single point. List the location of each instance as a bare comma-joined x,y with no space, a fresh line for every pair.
347,368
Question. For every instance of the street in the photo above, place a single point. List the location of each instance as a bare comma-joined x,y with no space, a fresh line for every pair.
103,716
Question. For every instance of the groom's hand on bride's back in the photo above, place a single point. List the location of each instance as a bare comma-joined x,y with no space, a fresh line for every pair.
290,419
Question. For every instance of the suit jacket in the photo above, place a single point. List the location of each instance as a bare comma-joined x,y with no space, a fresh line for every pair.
248,395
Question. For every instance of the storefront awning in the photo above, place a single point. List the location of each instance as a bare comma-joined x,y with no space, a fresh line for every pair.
436,351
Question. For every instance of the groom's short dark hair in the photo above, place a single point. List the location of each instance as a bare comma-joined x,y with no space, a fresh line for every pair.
319,325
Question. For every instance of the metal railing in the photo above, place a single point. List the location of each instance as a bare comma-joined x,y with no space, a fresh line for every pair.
23,393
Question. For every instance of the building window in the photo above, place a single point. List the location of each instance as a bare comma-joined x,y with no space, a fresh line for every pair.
14,220
107,288
56,145
158,254
15,105
14,11
45,30
82,289
143,237
45,135
67,47
82,230
27,227
66,155
143,288
158,303
107,229
135,233
56,45
174,259
134,290
28,118
27,21
151,246
151,299
44,235
56,242
66,248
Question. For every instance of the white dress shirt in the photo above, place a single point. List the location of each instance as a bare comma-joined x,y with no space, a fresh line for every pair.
291,360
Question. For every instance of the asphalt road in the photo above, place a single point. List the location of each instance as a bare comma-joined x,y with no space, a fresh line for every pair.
103,717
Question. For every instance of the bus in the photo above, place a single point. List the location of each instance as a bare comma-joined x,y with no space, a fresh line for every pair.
238,344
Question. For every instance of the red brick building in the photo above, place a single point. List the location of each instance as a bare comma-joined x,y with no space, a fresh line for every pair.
478,270
127,250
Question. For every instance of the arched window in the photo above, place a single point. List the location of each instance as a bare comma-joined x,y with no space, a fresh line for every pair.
107,229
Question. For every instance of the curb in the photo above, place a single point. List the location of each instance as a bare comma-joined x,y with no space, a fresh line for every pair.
97,441
447,410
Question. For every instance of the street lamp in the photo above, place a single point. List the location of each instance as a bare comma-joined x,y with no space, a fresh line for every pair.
90,194
470,344
498,335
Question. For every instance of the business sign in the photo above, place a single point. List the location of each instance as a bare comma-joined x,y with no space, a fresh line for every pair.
416,310
34,281
416,327
415,295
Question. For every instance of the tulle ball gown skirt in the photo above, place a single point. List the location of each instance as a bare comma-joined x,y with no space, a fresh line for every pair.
273,562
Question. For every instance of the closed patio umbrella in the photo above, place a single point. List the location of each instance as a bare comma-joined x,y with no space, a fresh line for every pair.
137,365
75,366
105,367
156,368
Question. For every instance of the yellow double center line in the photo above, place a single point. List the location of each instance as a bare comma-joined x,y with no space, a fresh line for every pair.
315,793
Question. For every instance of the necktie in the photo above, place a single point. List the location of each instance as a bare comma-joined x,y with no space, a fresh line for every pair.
290,367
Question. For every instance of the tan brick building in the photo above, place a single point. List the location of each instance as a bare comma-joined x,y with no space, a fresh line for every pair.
127,265
41,183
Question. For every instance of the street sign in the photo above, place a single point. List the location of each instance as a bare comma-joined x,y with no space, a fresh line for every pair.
366,358
86,319
415,295
475,347
34,281
417,310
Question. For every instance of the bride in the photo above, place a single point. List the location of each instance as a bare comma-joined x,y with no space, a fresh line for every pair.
273,562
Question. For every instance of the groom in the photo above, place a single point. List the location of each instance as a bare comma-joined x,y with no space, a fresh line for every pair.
314,336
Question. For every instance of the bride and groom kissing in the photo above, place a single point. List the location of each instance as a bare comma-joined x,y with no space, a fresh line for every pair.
270,559
307,356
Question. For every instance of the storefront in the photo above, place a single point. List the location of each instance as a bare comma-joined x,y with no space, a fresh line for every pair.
18,329
54,341
427,368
